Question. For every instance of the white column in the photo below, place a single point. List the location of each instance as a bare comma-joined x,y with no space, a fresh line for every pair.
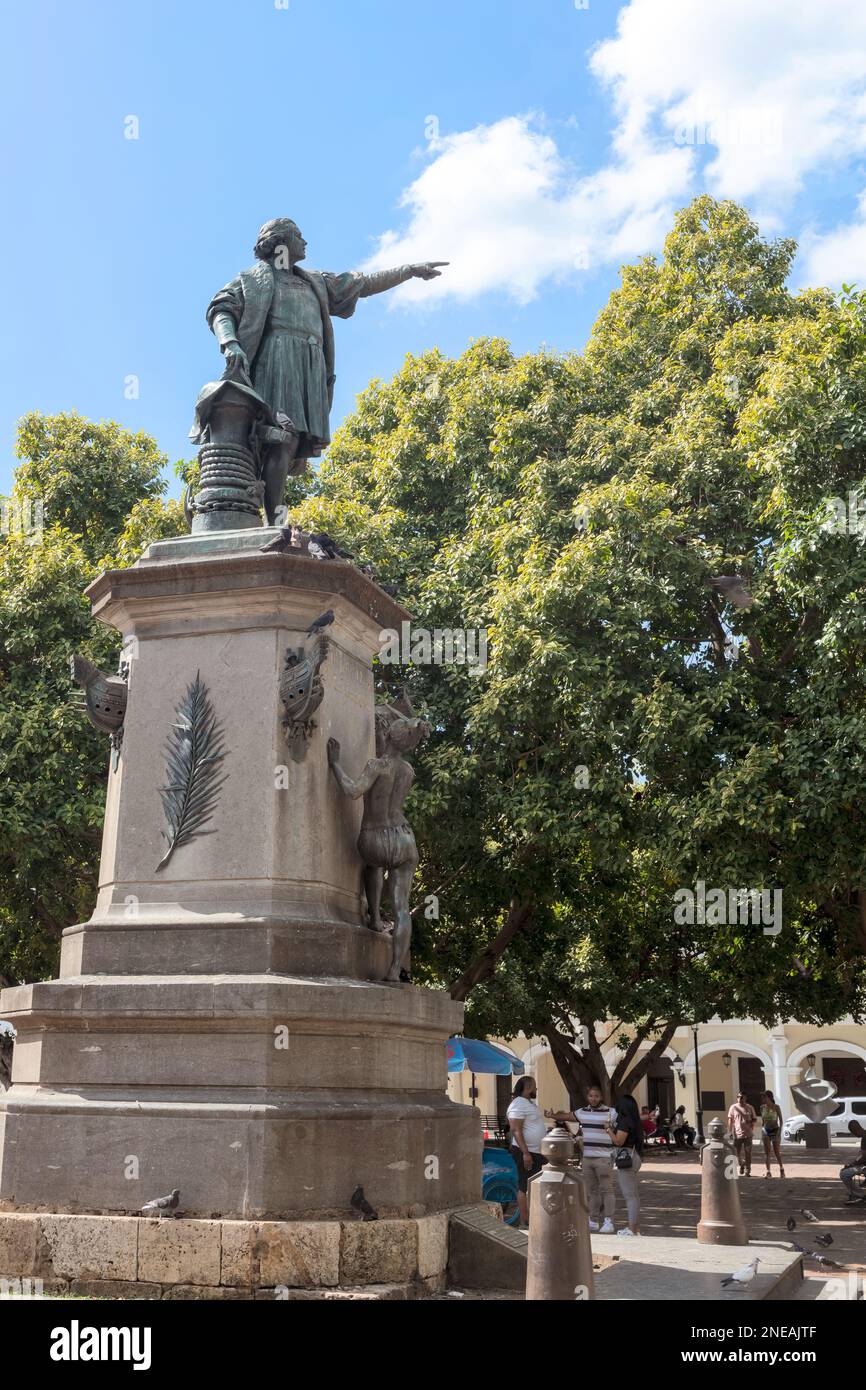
781,1089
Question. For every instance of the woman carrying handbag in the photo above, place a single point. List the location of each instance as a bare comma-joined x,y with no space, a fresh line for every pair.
627,1135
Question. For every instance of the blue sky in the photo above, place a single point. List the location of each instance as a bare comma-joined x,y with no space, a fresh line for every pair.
536,144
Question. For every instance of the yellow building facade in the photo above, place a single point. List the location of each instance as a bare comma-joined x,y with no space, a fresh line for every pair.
732,1055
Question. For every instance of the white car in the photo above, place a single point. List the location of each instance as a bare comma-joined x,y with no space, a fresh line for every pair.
848,1108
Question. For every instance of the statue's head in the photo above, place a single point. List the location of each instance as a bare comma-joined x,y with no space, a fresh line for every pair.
280,240
398,730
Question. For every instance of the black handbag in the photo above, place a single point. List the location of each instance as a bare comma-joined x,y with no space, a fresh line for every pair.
622,1159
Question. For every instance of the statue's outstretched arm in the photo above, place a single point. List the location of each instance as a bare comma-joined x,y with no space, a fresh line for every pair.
387,279
352,786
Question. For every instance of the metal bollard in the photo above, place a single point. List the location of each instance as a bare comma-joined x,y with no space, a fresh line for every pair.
721,1220
559,1264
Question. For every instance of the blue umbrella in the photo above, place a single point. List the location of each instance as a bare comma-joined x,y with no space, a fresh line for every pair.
484,1058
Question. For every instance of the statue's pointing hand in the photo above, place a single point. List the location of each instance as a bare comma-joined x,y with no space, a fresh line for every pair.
427,270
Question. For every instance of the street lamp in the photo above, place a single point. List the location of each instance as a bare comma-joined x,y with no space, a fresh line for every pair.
699,1114
811,1060
726,1058
679,1067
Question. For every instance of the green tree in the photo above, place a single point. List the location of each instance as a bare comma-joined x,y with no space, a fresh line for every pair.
100,489
579,506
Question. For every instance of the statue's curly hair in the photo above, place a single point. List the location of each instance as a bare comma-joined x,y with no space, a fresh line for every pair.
272,235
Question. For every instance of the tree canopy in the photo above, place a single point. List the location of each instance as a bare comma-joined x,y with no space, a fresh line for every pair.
100,488
578,506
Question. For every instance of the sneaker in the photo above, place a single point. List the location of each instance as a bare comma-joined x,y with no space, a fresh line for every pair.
593,1225
608,1228
626,1231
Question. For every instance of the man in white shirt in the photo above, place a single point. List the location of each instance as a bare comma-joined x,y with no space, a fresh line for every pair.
597,1166
527,1126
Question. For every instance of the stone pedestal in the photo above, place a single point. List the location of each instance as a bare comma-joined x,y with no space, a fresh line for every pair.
816,1134
219,1024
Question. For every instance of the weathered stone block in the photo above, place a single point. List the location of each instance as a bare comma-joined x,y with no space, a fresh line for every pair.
21,1246
205,1292
432,1245
91,1247
299,1253
114,1288
381,1252
239,1260
179,1252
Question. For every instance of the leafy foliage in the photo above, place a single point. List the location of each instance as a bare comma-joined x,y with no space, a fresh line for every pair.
578,507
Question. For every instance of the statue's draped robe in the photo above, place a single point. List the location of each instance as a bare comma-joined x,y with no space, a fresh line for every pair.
286,332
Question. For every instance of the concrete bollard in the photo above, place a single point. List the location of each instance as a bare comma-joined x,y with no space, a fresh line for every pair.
721,1220
559,1264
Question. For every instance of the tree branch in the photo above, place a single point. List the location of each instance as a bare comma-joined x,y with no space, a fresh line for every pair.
484,965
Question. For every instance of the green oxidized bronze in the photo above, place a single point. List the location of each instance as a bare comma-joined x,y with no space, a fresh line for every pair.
270,412
386,842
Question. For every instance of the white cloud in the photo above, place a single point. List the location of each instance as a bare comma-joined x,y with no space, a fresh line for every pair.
501,204
777,88
746,98
836,258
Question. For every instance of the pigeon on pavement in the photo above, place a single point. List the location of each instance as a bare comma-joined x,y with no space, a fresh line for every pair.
162,1206
744,1276
791,1224
826,1263
824,1240
809,1215
324,620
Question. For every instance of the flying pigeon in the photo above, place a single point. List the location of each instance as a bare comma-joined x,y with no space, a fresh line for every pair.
809,1215
744,1276
324,620
791,1224
162,1206
358,1202
824,1240
733,589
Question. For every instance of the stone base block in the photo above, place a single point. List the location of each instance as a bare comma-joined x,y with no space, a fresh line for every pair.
137,1257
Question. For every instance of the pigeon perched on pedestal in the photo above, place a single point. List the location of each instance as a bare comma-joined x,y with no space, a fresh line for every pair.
324,547
162,1206
741,1277
324,620
358,1202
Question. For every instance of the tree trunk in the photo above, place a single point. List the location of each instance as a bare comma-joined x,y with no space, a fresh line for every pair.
484,965
579,1070
626,1077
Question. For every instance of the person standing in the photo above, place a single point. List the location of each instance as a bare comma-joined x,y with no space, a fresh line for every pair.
741,1123
771,1131
626,1136
595,1119
527,1126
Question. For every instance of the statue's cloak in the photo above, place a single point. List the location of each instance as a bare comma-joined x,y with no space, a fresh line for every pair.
248,299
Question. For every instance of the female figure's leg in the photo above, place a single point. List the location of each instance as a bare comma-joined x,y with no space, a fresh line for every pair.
629,1186
777,1149
399,885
